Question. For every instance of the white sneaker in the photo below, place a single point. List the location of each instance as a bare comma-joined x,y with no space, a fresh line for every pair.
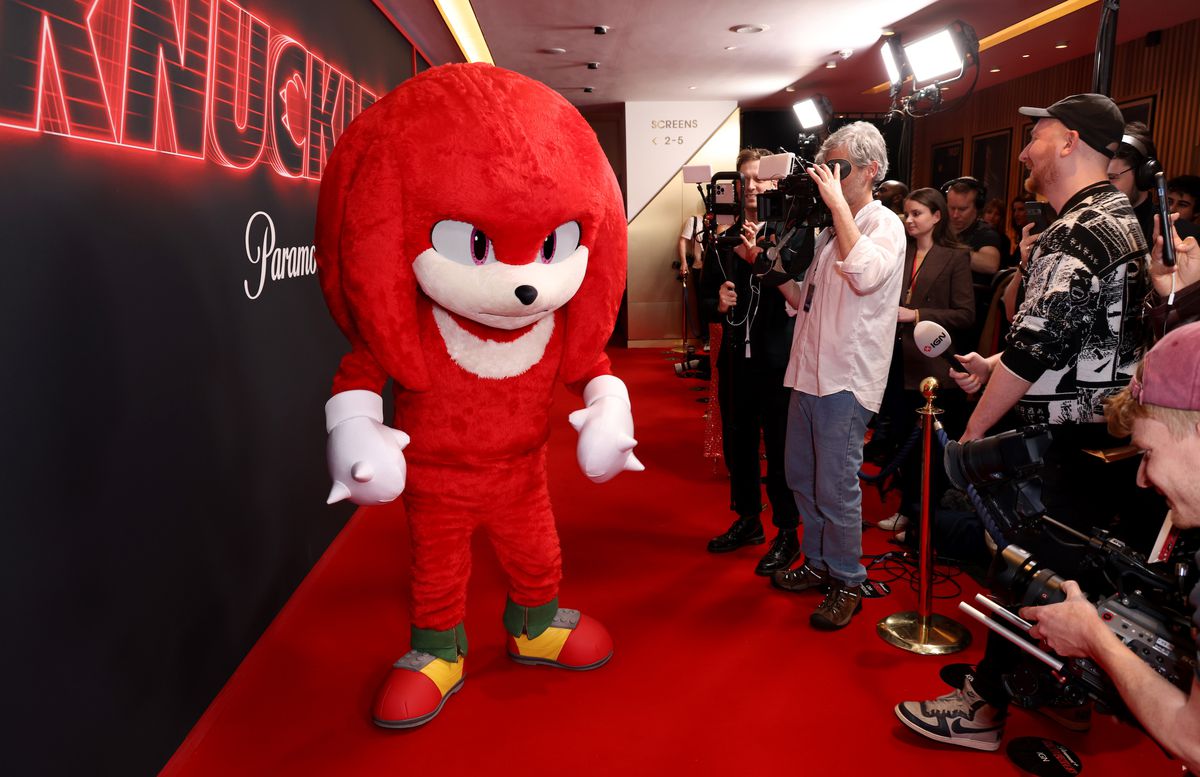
894,523
961,718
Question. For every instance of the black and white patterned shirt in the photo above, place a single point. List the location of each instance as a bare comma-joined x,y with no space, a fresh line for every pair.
1078,336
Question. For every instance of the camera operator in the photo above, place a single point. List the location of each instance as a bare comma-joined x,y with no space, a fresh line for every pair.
756,333
1074,342
841,352
1161,408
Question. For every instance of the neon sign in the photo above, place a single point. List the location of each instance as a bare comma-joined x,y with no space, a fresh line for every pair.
193,78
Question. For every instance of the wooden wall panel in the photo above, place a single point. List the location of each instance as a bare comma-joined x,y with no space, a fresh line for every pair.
1169,71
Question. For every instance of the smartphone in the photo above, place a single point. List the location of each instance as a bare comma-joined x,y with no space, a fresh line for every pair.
724,195
1040,214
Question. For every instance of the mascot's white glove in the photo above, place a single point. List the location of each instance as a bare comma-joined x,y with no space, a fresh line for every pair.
605,429
366,459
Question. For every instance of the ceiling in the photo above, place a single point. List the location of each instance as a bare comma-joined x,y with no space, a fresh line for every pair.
676,49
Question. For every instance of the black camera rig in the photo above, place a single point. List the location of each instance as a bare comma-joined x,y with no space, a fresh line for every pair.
796,202
1148,609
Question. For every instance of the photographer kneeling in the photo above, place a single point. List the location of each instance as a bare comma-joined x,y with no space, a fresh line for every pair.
1162,410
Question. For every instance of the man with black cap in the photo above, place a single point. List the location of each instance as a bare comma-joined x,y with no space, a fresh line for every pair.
1074,342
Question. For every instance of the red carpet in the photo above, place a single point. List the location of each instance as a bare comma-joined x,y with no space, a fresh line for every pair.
714,671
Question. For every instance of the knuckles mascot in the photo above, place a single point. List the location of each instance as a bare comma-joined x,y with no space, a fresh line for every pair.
471,247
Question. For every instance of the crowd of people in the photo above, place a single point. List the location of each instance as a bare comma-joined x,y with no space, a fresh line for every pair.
808,358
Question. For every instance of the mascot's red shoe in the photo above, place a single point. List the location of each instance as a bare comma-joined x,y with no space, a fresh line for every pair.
573,641
416,690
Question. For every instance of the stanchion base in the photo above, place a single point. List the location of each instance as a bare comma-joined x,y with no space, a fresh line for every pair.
939,636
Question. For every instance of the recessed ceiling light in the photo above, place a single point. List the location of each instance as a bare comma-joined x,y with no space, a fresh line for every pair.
830,65
789,89
691,87
994,70
887,33
1062,44
749,29
730,48
554,50
1024,56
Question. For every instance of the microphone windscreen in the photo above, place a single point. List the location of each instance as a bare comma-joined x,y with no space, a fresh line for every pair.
932,338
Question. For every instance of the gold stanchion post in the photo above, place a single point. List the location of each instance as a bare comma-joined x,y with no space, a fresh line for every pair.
923,631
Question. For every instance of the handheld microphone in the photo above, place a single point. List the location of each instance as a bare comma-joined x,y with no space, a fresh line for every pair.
933,340
1165,227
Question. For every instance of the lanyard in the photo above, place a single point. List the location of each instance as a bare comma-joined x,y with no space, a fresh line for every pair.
912,281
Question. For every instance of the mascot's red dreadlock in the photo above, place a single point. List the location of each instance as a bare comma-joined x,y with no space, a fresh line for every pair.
471,245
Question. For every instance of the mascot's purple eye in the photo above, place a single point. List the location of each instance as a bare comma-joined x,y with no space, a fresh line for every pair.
479,246
560,244
462,242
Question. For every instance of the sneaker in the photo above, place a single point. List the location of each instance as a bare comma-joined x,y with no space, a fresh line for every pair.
961,718
896,522
837,608
802,578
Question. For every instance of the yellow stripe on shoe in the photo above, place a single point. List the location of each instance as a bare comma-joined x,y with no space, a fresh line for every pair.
546,646
444,674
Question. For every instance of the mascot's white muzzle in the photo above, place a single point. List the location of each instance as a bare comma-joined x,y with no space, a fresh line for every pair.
492,293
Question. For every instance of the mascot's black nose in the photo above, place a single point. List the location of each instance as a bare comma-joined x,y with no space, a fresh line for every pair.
527,294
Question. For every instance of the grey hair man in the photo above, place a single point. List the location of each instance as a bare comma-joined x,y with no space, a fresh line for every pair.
841,352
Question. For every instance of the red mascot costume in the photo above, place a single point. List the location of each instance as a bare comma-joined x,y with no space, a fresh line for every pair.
471,246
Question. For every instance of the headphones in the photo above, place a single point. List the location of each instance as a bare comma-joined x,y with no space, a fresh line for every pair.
979,189
1144,171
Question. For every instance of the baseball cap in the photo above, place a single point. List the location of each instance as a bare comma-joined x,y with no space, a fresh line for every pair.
1095,117
1171,371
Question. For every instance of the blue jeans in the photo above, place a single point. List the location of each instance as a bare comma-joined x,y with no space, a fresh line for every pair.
823,456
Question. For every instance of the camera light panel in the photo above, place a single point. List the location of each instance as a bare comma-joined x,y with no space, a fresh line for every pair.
808,114
934,56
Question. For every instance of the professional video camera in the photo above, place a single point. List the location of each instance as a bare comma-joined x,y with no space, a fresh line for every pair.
784,255
1148,610
795,201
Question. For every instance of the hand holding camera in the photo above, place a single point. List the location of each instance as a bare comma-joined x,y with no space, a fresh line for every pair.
1071,627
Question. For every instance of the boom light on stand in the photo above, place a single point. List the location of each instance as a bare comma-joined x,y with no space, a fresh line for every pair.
933,61
929,63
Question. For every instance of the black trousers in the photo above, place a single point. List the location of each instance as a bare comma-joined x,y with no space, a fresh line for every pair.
754,406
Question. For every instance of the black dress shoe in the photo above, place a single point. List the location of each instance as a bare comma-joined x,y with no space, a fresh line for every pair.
784,551
746,530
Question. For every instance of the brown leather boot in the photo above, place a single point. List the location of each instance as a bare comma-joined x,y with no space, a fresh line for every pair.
837,608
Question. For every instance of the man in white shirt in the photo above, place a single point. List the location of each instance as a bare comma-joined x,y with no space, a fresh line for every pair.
841,351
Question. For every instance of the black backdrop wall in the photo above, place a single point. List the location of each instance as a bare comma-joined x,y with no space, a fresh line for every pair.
163,445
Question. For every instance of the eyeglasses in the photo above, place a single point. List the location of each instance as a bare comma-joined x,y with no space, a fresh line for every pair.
1115,176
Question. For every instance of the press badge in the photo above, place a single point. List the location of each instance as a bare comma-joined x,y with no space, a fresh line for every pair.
808,296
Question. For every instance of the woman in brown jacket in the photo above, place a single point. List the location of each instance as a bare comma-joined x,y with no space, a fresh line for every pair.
937,287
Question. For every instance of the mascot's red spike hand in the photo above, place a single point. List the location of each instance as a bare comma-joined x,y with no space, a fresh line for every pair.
471,245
